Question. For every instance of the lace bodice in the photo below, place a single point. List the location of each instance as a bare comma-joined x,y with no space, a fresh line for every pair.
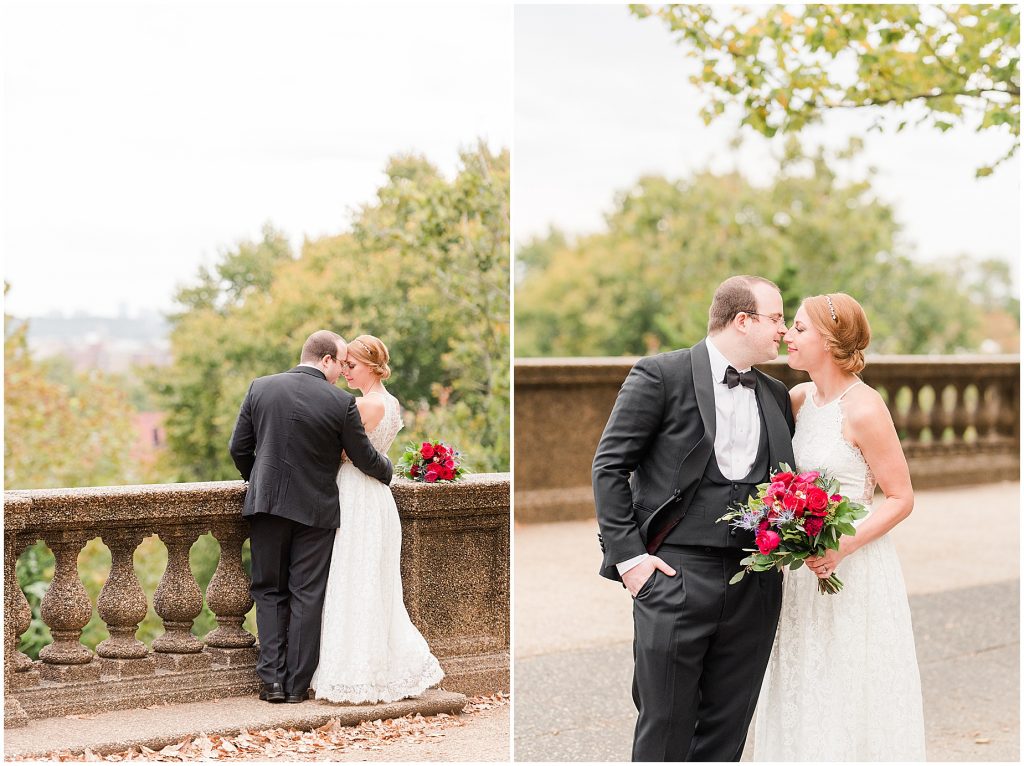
387,429
819,444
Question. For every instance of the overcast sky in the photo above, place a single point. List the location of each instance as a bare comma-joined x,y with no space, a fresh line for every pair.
602,98
140,139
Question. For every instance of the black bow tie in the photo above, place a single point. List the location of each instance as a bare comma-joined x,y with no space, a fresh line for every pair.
734,378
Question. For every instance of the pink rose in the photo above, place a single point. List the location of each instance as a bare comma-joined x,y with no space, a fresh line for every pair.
432,473
767,541
808,478
813,525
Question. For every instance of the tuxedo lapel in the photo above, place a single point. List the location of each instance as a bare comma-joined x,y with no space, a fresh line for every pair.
703,388
780,445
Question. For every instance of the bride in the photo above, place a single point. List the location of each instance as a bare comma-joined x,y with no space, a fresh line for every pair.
842,683
369,649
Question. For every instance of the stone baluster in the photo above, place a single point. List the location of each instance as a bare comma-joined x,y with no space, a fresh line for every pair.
22,620
899,418
941,417
122,605
1009,412
178,601
66,609
960,417
228,598
988,402
14,713
917,418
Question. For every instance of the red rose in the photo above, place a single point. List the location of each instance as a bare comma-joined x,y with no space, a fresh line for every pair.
808,478
427,450
447,473
790,501
836,498
785,477
414,471
767,541
432,474
813,525
817,499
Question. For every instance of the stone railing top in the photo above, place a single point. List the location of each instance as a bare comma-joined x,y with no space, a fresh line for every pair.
143,505
131,505
595,369
475,490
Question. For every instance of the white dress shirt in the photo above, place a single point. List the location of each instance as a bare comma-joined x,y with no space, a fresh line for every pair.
737,429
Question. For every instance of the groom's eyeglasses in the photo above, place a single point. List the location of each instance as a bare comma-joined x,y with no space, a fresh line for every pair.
777,318
350,365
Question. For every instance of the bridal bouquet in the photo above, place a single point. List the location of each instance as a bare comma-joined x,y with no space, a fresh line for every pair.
431,462
795,516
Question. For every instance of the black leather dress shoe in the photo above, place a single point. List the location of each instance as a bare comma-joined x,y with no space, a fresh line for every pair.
272,693
297,697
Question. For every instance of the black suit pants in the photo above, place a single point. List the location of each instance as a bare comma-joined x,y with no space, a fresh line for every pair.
290,562
700,649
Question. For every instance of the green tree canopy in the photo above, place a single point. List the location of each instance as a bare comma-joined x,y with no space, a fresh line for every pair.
785,66
425,267
644,284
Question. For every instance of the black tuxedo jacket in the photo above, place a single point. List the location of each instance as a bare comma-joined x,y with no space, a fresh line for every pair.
657,444
287,444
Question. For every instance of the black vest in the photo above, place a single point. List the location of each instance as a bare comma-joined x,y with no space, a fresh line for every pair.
717,494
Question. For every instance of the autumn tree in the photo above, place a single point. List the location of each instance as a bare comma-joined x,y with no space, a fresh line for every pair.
75,433
785,66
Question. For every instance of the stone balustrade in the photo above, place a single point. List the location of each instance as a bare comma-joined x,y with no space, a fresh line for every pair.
958,418
455,570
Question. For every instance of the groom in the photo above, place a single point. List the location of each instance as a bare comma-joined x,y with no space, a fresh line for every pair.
692,432
287,444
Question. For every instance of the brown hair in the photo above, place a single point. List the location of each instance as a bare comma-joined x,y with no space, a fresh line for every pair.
318,345
373,353
733,296
844,326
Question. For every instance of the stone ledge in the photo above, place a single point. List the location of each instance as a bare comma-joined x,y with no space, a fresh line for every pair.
164,725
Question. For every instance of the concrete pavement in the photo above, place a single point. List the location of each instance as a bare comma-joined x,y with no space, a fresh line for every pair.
959,551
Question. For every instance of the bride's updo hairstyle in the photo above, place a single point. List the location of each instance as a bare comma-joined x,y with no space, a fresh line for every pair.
373,353
844,326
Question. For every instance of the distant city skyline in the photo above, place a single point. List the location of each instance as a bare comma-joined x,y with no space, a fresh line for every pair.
603,98
140,141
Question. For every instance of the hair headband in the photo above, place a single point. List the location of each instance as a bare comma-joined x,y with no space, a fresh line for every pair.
832,309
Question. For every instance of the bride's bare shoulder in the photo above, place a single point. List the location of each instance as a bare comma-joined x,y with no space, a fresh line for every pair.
371,408
864,408
798,394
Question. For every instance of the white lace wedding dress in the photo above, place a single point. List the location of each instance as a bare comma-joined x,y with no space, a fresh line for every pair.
842,683
369,649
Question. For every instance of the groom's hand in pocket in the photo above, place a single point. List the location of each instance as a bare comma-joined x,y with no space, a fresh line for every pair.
635,578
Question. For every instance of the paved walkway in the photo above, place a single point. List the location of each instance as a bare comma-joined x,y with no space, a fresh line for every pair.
960,554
